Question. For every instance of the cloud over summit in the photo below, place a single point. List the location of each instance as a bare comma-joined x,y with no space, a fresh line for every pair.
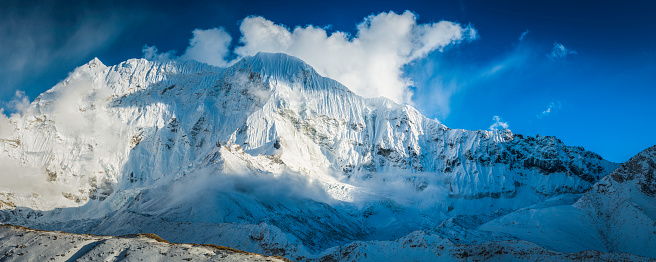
498,124
370,62
209,46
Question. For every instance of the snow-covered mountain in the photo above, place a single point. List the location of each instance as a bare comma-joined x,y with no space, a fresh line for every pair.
269,157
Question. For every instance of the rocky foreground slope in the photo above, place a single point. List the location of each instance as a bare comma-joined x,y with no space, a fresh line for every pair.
24,244
269,157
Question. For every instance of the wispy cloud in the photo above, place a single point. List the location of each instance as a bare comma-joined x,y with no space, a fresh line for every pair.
521,37
553,106
441,76
498,124
560,52
370,62
34,37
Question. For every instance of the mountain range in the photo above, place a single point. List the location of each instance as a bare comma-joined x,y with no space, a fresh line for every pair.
270,157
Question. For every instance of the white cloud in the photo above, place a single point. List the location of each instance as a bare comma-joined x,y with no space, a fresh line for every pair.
369,63
284,185
209,46
559,52
552,107
18,103
15,107
498,124
6,128
151,53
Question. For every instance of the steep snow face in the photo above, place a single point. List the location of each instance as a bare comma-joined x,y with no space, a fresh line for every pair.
618,214
359,138
252,146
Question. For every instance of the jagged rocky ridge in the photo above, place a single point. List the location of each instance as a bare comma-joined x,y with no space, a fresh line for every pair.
163,146
618,214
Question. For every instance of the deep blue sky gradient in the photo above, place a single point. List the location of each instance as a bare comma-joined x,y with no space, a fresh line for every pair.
604,94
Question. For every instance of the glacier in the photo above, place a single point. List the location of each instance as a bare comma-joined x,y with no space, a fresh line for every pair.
270,157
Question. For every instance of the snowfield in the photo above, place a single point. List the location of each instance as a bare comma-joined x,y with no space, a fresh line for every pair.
270,157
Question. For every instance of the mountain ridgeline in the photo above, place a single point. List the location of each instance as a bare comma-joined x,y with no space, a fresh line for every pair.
271,157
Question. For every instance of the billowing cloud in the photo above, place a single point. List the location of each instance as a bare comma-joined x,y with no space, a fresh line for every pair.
6,128
268,186
370,63
151,53
553,106
18,103
209,46
498,125
15,107
559,52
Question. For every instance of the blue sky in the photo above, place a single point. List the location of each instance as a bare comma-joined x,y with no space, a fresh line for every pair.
585,73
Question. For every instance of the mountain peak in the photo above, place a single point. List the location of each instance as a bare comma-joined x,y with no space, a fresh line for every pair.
281,67
95,62
640,168
276,65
